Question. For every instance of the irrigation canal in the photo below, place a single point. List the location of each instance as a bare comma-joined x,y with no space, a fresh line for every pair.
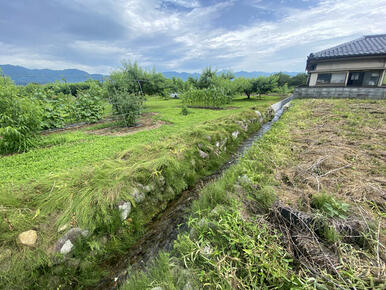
163,230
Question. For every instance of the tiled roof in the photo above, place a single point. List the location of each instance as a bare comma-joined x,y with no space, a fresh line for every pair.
366,45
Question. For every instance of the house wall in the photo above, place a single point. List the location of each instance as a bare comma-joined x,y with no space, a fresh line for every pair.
360,64
345,66
340,92
313,77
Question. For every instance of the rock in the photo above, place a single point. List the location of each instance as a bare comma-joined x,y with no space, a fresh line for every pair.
206,251
139,196
125,209
245,179
63,228
286,107
66,243
28,238
242,125
235,134
260,117
161,180
209,138
67,247
188,286
148,188
203,154
156,288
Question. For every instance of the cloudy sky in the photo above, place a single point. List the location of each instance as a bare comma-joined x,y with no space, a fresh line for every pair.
180,35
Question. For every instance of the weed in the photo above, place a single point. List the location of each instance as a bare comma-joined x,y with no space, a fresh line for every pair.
329,205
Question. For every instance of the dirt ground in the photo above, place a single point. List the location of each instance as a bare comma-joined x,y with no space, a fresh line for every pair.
146,122
337,155
340,151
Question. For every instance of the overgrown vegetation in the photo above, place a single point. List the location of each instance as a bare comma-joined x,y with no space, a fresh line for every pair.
313,235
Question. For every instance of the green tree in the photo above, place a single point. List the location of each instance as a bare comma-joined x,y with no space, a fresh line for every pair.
244,86
298,80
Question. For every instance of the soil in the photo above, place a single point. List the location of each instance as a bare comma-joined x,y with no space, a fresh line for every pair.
213,108
333,155
339,151
146,122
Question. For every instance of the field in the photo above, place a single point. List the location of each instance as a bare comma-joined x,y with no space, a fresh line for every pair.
304,208
81,147
80,179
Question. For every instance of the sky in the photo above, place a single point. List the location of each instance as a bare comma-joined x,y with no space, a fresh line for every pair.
180,35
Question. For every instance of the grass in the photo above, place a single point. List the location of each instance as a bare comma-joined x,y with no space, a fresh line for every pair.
166,162
67,150
234,241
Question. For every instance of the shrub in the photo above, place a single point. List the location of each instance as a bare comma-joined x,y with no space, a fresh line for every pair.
20,120
127,107
125,93
213,98
89,106
184,110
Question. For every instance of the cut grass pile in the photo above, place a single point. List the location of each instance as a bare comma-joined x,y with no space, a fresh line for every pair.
143,178
292,213
63,151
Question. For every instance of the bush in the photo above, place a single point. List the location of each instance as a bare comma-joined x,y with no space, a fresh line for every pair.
125,93
20,119
89,106
127,107
213,98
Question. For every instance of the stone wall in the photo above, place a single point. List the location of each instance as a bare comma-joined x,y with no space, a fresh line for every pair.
340,92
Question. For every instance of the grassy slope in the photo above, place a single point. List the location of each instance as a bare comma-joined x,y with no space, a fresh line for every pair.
78,148
234,243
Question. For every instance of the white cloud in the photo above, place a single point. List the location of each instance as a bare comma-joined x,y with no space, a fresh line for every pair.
187,40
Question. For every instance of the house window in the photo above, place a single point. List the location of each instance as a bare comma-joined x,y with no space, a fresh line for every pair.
323,79
371,78
338,78
331,78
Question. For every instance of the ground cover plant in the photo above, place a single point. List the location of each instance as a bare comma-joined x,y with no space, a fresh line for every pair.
311,190
62,151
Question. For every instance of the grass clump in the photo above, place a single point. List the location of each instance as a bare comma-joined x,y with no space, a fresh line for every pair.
231,253
329,205
163,272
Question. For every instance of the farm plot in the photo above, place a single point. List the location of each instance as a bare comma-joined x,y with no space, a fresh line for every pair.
74,222
305,208
73,149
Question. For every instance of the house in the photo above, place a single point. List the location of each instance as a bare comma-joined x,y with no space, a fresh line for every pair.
358,63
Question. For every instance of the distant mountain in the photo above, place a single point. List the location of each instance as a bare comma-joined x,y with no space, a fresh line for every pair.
22,76
245,74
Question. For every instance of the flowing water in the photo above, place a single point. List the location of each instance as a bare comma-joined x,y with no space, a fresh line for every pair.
163,230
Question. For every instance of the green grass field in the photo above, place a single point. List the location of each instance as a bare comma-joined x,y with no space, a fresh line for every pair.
80,181
79,148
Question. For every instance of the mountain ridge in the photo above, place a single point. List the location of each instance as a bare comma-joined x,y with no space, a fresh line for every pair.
22,75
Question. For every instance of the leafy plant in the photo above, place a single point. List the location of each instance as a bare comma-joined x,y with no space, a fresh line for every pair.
20,119
213,97
89,105
329,205
127,107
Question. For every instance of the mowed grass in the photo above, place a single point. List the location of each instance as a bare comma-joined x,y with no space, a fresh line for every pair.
79,148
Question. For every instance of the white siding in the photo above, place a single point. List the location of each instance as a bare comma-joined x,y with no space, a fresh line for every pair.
360,64
313,78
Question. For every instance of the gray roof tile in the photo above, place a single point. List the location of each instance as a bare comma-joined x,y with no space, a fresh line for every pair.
366,45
